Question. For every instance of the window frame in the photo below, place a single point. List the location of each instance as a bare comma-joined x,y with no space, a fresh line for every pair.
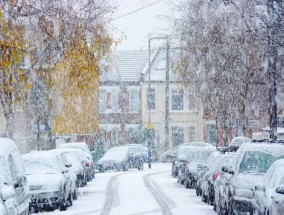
177,94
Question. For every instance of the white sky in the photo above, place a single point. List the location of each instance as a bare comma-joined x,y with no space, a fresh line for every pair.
137,26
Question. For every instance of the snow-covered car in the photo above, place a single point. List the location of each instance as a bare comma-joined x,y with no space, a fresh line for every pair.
73,157
169,155
278,200
236,143
197,159
7,197
143,150
49,181
121,158
202,170
70,163
14,197
181,154
87,155
264,190
87,165
211,176
247,169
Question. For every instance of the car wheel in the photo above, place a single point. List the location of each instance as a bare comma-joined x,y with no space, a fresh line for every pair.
75,194
198,192
63,203
125,167
70,200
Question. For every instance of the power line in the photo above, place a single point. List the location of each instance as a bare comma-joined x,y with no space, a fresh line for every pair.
134,11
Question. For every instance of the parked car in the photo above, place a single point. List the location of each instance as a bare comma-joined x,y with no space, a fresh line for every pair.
169,155
143,150
202,170
70,163
198,158
278,200
49,181
78,165
181,153
88,156
13,183
211,176
7,197
264,190
121,158
236,143
247,169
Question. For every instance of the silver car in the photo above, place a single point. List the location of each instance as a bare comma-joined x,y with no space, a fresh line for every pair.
49,181
247,169
263,191
278,200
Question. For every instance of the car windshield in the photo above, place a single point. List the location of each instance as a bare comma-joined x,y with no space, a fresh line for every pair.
41,166
183,152
256,162
200,156
71,157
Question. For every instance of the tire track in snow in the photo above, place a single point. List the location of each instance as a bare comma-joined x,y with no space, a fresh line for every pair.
165,203
112,199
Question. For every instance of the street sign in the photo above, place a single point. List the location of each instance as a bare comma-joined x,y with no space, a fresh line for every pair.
149,125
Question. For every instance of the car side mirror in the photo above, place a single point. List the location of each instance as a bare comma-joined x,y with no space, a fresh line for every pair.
280,189
7,192
260,187
65,171
68,165
228,169
199,166
225,169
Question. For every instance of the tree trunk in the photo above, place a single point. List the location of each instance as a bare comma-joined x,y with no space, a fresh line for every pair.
272,59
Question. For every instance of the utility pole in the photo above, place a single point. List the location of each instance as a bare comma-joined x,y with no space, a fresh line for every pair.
167,131
272,59
150,129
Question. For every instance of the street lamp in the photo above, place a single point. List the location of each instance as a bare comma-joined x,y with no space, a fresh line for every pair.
150,133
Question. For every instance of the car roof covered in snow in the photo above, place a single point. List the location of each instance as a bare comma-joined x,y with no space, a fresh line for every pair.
79,145
6,145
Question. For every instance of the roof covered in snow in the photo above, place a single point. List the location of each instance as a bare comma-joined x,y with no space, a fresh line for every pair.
158,66
126,66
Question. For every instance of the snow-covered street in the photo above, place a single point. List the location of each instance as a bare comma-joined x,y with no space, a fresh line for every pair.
151,191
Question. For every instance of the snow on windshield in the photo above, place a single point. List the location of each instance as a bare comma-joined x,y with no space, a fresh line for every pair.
41,166
256,161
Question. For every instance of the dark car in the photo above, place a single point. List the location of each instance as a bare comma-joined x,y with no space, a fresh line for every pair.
121,158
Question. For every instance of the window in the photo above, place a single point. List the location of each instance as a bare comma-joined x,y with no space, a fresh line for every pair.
151,99
114,137
191,133
133,101
177,136
191,100
114,100
108,101
102,100
177,99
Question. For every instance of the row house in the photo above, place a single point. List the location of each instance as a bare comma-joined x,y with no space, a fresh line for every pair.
184,121
120,99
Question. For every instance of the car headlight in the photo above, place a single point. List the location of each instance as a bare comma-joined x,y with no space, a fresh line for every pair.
242,192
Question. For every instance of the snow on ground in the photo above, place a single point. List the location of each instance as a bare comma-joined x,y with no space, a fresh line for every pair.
151,191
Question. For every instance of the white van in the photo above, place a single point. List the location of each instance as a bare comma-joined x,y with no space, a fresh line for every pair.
13,183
